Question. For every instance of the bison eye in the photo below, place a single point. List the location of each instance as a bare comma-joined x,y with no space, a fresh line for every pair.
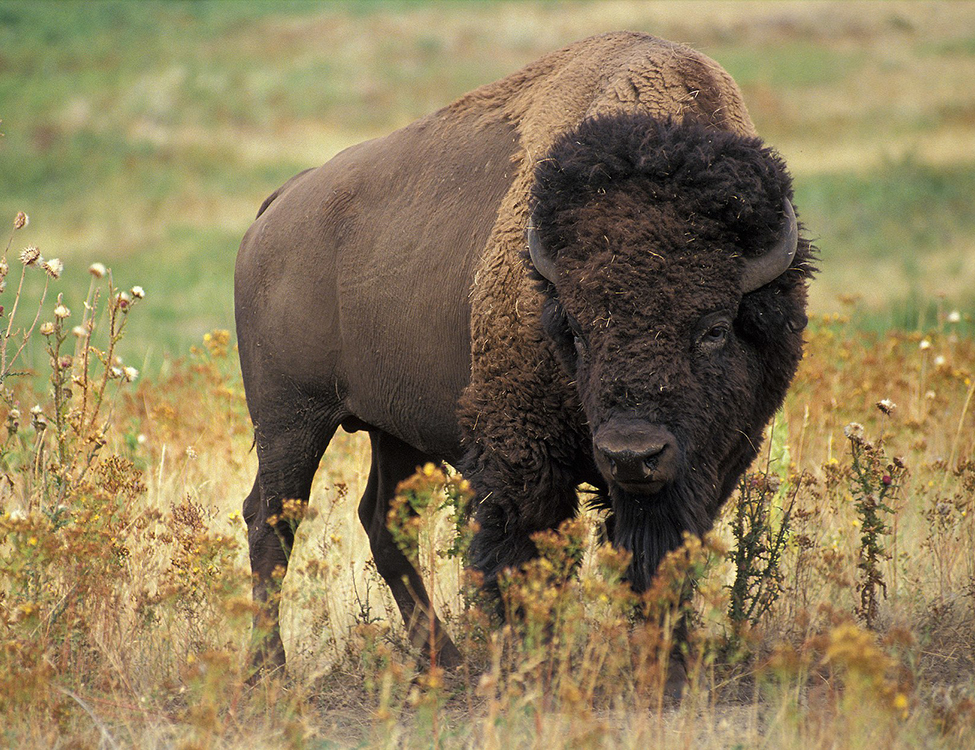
714,333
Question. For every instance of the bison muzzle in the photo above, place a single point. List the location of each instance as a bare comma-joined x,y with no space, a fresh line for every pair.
587,272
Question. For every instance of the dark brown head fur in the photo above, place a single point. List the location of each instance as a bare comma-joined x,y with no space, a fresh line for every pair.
648,223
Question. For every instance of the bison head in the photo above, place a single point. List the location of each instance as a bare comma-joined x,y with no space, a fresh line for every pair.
674,284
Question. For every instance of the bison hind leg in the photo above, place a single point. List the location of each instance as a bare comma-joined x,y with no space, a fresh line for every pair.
392,462
290,444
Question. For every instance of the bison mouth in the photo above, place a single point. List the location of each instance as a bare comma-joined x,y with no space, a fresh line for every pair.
654,496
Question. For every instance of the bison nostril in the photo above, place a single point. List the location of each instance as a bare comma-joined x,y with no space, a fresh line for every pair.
636,454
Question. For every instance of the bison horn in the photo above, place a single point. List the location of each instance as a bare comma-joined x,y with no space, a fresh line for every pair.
543,264
760,271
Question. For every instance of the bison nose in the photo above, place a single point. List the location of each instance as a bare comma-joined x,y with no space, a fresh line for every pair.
636,455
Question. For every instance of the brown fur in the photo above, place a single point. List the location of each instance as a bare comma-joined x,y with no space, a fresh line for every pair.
388,291
522,417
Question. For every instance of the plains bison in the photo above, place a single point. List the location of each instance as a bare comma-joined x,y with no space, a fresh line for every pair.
587,272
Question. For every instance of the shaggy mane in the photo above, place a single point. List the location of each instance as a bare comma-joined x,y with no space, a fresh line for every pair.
711,175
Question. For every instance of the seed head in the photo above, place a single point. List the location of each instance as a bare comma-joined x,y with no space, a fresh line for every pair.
886,406
53,267
954,317
97,270
854,431
130,374
3,267
138,292
124,301
37,420
47,329
925,344
21,220
61,311
30,255
78,331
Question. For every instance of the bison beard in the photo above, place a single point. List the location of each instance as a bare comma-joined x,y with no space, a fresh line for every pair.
650,527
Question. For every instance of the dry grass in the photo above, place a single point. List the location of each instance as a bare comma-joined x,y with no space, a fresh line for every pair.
143,636
124,599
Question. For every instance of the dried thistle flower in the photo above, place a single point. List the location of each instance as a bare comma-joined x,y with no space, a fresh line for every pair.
130,374
37,420
30,255
47,328
61,311
886,406
4,268
97,270
21,220
124,301
13,421
78,331
53,267
138,292
954,316
854,431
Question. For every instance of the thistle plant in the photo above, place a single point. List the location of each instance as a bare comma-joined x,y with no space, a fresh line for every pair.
85,379
760,541
874,482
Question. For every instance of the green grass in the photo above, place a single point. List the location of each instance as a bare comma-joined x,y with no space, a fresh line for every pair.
795,64
903,212
145,135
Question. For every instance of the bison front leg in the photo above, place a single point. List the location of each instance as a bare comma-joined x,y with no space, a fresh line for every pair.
512,504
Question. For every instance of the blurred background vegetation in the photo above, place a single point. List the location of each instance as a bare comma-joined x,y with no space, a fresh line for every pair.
145,134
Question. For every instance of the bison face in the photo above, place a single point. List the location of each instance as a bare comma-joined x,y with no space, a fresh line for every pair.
670,303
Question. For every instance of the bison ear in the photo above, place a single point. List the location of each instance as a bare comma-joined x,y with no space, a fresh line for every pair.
777,260
543,263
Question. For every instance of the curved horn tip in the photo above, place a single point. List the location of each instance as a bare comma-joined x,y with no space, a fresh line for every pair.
543,264
768,267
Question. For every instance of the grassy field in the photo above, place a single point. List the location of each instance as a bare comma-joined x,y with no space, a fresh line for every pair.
145,135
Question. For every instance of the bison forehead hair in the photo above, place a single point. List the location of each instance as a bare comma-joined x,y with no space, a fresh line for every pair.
710,178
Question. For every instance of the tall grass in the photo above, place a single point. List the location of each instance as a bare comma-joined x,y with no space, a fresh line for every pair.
832,605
